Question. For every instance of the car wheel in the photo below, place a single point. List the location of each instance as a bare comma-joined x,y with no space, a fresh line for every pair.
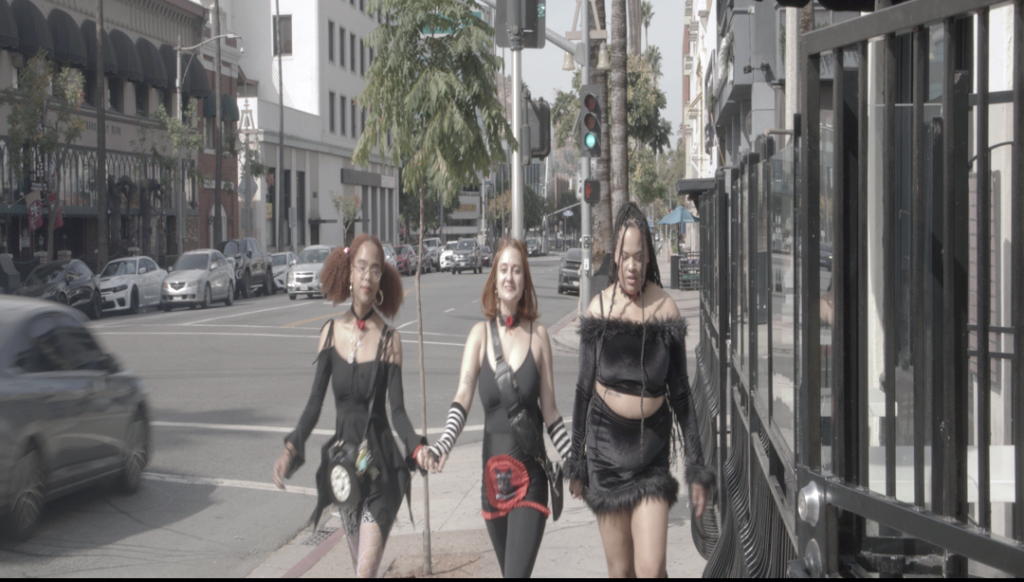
246,293
231,295
207,297
136,445
166,307
291,296
62,299
268,285
95,305
134,308
27,499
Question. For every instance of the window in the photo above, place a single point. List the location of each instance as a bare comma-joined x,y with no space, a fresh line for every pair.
352,51
141,100
362,60
90,88
330,41
353,118
363,127
342,112
371,56
58,342
330,109
341,47
362,5
208,123
115,94
285,46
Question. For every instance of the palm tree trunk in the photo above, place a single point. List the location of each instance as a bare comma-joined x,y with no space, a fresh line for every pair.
423,394
617,105
601,213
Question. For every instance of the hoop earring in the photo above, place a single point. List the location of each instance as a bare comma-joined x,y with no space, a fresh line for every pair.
350,288
380,297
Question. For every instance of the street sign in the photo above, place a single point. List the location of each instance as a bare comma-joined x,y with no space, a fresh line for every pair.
567,213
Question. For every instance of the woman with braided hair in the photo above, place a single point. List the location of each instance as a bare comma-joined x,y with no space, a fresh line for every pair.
515,484
632,389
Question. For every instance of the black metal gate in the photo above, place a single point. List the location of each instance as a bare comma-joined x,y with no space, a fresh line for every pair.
860,378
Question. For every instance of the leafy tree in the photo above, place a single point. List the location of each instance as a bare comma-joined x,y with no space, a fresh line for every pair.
42,121
645,101
644,182
346,206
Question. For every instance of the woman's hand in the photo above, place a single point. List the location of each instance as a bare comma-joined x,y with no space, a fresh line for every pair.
437,463
281,466
576,488
698,499
423,458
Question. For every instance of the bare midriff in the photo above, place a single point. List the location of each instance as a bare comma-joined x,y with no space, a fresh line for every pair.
627,405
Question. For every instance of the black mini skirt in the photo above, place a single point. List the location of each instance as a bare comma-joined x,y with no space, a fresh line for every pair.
622,475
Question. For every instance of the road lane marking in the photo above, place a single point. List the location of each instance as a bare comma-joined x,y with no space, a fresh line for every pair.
317,318
228,483
405,324
246,313
274,335
450,310
284,429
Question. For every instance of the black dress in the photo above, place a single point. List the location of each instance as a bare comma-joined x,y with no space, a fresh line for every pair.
623,461
351,390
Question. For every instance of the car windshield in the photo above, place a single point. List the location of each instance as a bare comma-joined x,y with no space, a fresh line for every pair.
314,255
574,255
389,252
48,273
115,268
430,243
198,261
280,260
451,246
467,245
485,250
229,248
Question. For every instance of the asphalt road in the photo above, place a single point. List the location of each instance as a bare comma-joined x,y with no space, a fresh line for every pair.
224,386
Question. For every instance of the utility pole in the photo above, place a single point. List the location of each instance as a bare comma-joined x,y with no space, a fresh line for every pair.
516,22
218,234
544,225
585,220
279,177
102,224
179,225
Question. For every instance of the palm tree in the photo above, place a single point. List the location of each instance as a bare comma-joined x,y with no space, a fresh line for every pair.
617,107
653,57
646,15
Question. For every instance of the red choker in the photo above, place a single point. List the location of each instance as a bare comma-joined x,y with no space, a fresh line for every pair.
361,321
511,321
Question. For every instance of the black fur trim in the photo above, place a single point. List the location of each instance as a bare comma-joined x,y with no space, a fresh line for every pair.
660,485
699,474
667,330
576,469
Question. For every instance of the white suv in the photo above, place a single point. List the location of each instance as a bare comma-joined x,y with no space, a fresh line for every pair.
431,254
448,255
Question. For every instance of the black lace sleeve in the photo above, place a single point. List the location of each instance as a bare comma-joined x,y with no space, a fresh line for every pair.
682,404
311,414
399,417
576,465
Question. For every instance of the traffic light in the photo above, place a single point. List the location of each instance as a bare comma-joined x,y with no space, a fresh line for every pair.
590,120
536,131
591,191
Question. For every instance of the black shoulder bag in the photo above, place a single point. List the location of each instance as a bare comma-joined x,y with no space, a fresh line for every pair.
351,466
529,433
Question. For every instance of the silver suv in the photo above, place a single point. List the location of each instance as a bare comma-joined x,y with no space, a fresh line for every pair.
431,254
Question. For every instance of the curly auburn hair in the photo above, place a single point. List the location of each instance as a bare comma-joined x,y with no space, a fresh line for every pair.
336,276
527,308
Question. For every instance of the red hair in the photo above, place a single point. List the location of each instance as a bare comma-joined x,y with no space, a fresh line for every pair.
527,308
336,276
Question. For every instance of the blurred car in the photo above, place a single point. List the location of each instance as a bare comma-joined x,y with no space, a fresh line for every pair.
569,271
281,263
467,257
198,279
485,256
406,260
389,255
448,255
825,250
431,254
132,283
70,282
532,247
70,416
304,276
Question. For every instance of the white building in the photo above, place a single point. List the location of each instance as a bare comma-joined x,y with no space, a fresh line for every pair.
325,64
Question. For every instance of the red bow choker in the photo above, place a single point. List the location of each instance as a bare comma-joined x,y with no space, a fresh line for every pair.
361,321
511,321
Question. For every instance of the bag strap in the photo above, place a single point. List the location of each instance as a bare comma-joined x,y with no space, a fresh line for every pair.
505,377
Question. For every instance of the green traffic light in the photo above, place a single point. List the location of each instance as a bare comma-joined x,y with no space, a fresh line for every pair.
590,140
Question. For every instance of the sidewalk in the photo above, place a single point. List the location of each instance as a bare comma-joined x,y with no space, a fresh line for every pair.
460,546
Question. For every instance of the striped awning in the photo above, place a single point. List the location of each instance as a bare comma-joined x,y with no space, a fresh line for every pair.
228,107
8,28
153,72
109,57
33,31
68,43
129,66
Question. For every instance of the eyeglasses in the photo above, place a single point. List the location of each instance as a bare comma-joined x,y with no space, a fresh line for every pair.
363,269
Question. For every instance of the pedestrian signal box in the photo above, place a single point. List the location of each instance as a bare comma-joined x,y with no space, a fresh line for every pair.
591,191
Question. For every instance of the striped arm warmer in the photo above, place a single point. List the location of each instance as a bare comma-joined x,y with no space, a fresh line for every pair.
560,437
452,430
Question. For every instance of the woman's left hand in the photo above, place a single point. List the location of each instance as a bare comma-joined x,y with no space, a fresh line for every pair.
698,499
423,458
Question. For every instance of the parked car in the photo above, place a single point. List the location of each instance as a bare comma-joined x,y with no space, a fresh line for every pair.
532,247
198,279
569,271
70,416
485,256
825,252
448,255
406,260
432,254
280,263
253,268
467,256
69,281
304,276
389,255
131,283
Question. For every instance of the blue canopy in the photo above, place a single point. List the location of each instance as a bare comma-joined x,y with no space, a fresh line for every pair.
679,215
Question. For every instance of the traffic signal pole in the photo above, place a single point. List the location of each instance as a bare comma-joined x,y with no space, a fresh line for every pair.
585,219
516,22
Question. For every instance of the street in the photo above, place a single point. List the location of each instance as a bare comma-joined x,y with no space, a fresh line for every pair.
224,387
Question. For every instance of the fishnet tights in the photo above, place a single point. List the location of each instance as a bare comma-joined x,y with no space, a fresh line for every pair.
366,547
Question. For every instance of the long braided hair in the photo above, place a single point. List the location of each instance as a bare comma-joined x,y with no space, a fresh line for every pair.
630,216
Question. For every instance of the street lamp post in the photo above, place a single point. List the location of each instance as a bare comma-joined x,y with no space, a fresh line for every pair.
181,160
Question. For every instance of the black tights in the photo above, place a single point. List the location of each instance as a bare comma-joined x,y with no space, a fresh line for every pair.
516,540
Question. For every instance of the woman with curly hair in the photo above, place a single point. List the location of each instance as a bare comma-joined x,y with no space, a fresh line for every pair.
515,485
632,382
351,346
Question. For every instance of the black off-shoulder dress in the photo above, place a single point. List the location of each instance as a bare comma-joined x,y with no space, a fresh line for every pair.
351,389
623,461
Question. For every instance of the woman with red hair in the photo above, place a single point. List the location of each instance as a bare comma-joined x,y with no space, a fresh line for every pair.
352,347
515,483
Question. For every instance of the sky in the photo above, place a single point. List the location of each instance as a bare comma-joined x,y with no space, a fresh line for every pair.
542,68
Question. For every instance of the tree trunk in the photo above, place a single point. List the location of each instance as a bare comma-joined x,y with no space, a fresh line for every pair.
218,234
634,26
617,105
601,213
